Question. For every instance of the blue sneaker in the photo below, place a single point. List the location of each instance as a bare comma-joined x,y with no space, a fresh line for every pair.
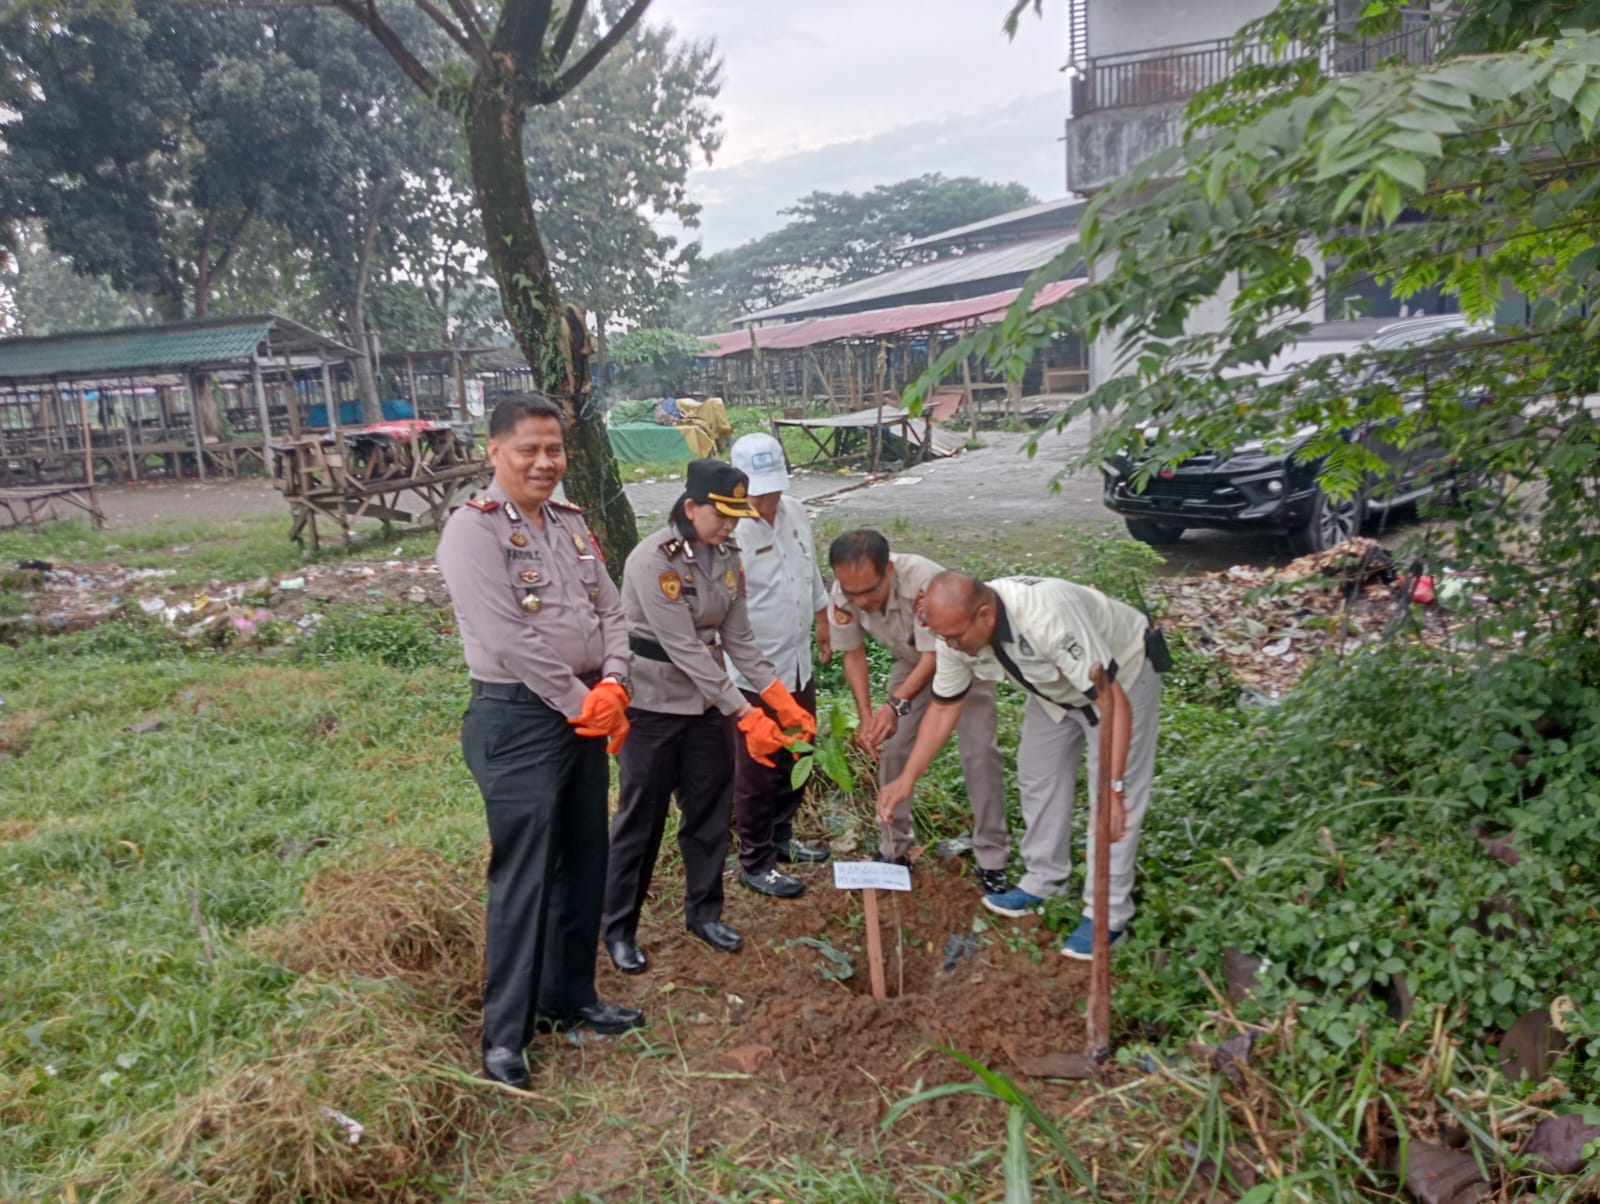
1080,945
1014,902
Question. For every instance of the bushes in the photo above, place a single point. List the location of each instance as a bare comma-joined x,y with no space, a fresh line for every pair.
1335,838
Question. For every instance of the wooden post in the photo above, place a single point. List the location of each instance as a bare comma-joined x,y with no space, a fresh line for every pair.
332,403
966,386
457,371
88,459
262,414
291,402
411,386
194,423
129,417
869,902
1099,1020
877,430
760,368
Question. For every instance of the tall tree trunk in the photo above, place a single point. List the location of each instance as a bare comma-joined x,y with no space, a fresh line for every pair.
366,381
533,308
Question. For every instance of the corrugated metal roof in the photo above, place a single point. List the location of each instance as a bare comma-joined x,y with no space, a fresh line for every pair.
1068,207
1000,263
132,350
874,323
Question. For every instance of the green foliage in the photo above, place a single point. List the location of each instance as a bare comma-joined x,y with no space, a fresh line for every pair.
1475,175
400,637
654,360
834,238
1022,1111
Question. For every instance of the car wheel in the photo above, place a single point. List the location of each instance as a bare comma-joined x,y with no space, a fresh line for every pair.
1330,521
1154,534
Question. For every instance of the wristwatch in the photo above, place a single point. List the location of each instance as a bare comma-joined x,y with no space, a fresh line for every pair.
1116,785
625,682
901,706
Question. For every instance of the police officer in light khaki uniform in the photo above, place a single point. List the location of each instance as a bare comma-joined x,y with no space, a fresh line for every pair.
684,598
545,643
1048,637
877,592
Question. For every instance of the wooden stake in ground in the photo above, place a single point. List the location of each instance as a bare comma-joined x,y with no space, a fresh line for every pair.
869,904
869,877
1099,1027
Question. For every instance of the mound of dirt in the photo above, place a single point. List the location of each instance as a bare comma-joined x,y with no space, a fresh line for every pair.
766,1048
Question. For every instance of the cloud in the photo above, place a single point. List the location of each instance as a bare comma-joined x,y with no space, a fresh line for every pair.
1018,141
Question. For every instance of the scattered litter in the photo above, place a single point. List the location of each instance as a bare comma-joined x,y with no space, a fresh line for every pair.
352,1127
36,566
906,481
959,947
292,583
954,847
145,727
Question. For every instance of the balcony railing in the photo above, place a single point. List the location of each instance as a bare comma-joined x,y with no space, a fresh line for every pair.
1175,73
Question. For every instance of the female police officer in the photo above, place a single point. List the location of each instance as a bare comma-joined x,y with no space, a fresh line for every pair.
683,597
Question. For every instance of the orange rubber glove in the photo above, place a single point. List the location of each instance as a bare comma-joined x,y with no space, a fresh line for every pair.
604,713
762,737
790,713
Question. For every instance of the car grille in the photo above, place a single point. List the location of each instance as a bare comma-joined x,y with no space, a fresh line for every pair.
1179,487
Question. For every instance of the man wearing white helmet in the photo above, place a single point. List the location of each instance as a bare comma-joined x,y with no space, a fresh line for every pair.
785,597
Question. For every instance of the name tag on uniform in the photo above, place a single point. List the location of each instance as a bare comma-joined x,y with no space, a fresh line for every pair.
768,548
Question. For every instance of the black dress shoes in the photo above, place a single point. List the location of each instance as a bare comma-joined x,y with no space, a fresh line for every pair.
503,1065
718,935
800,851
627,957
773,882
600,1016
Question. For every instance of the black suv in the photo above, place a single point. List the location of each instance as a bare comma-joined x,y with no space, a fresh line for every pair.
1255,489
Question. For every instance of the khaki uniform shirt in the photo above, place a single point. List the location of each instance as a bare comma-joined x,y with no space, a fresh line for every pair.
898,626
690,600
533,606
1054,632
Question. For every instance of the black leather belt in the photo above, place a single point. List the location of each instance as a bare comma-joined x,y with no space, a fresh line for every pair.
652,651
515,691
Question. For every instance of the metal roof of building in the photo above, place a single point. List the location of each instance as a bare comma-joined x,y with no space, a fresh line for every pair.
175,346
875,323
1005,265
1060,213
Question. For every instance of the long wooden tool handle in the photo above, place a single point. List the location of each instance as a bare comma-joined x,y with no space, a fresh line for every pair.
1099,1027
869,902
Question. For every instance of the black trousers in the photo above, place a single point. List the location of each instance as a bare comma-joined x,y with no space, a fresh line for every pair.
544,790
690,756
763,801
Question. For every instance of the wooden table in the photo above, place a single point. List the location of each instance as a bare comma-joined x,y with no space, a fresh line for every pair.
32,503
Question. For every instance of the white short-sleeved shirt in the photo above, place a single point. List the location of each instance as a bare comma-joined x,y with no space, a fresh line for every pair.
783,591
1054,632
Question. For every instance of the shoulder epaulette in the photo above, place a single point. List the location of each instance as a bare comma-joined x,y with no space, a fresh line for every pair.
672,547
572,506
483,505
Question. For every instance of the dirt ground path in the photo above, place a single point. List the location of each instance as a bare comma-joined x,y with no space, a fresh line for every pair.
991,491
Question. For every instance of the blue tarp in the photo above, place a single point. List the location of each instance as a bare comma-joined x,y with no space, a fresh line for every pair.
350,412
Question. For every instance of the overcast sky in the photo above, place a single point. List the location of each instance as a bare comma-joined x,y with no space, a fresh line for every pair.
840,95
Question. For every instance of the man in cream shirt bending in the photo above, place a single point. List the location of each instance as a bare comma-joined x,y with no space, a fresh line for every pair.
1050,638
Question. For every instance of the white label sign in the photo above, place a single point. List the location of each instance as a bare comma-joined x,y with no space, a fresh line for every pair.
859,875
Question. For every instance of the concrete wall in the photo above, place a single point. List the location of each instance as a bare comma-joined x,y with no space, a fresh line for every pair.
1102,146
1121,26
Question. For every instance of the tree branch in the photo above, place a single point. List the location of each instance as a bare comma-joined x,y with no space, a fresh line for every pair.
478,48
520,34
232,241
567,34
366,15
571,79
451,29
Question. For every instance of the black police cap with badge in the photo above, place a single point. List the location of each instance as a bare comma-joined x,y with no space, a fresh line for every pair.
720,484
